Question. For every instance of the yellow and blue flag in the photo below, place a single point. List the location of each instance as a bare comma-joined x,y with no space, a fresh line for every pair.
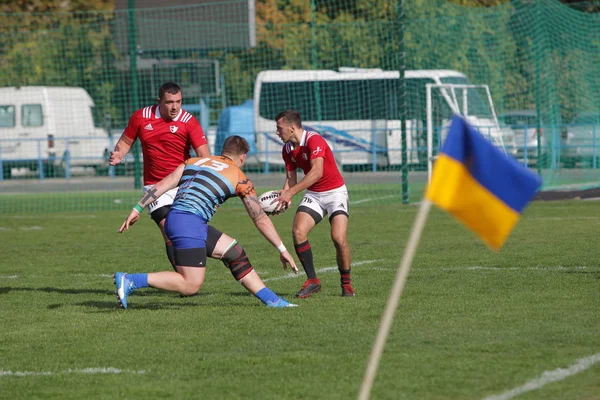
478,184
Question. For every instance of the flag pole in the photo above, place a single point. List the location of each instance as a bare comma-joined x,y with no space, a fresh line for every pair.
394,297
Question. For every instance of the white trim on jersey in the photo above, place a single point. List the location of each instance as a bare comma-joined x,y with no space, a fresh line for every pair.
157,113
186,117
147,112
289,146
306,135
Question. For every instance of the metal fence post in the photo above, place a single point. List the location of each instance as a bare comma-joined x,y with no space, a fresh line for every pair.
40,162
1,165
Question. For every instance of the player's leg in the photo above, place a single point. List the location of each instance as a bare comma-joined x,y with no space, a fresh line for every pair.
339,229
158,212
233,255
252,282
187,281
188,233
168,245
336,204
308,215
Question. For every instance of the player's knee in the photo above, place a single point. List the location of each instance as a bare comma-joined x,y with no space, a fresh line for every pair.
339,240
300,235
190,288
237,261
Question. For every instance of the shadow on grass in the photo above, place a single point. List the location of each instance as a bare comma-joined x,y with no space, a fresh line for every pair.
134,306
245,293
138,293
150,292
4,290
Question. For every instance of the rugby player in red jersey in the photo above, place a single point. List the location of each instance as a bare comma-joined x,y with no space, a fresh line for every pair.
325,194
166,133
205,183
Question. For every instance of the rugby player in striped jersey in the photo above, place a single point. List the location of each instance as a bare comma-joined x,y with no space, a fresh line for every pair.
204,183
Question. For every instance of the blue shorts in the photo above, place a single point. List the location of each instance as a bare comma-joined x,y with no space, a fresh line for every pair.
186,230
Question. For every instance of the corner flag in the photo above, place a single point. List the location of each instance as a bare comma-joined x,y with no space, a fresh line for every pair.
479,185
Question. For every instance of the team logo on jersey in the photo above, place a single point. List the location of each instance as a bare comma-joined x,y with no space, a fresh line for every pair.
148,127
173,128
305,156
317,151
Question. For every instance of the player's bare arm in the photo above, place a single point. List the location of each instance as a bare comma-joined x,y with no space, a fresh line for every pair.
168,182
312,177
315,173
121,149
202,151
253,207
291,178
265,226
149,196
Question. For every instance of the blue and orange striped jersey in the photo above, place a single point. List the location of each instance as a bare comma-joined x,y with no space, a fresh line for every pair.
208,182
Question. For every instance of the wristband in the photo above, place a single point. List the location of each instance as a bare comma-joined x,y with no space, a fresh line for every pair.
138,208
281,248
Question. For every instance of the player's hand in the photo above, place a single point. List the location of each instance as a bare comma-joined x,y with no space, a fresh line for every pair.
280,209
284,200
115,157
131,219
286,258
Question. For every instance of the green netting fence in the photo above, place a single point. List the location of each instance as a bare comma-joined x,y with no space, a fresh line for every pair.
532,66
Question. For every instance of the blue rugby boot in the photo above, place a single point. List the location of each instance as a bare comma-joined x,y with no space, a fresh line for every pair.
280,303
124,287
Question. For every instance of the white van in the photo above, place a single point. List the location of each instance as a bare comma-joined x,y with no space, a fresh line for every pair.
357,111
45,128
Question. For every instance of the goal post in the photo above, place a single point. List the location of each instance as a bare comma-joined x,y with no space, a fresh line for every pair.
472,102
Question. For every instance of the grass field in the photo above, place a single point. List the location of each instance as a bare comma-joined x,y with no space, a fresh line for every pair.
471,324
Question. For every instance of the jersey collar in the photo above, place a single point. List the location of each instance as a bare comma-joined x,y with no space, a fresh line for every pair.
178,115
303,139
157,114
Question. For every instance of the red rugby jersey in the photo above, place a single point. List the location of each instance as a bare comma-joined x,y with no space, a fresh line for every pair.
165,144
312,145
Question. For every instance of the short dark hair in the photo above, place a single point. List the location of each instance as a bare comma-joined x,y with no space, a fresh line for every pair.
235,145
292,117
169,87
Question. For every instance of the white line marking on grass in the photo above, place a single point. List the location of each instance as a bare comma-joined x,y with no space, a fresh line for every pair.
334,268
326,269
91,371
548,377
557,268
372,199
22,228
15,276
95,275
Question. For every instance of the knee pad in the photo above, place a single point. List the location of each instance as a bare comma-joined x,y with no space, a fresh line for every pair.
237,261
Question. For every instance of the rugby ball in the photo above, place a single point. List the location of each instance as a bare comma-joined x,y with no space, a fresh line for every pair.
265,200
